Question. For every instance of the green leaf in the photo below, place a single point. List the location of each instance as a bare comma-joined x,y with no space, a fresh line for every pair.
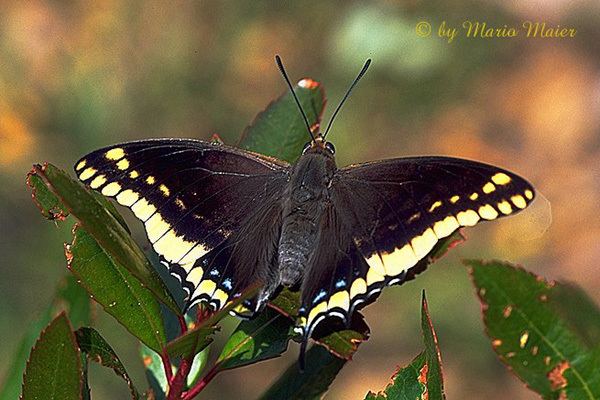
422,378
586,368
444,246
286,303
116,289
261,338
198,365
49,205
433,374
530,335
407,384
192,342
86,392
344,344
97,349
105,229
110,207
321,369
74,299
70,297
196,340
155,372
586,321
54,366
280,131
12,384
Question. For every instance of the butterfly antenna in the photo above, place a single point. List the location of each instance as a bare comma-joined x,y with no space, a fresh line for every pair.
360,75
285,76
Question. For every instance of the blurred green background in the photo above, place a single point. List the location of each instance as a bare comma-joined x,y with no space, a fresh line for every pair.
75,76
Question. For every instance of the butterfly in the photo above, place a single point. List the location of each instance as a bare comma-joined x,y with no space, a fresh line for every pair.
223,219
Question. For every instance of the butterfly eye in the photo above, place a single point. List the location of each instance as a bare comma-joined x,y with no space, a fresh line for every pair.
307,146
329,146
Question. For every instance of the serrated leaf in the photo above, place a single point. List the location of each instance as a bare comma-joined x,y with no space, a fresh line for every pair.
433,377
280,131
407,384
116,289
13,382
422,378
529,334
261,338
54,370
97,349
105,229
70,297
321,369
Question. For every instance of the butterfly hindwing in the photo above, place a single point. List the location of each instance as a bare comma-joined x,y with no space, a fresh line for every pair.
246,258
191,196
337,272
391,214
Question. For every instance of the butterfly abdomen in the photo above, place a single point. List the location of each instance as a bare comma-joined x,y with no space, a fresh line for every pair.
305,200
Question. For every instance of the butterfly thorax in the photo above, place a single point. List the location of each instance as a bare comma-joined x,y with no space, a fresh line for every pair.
304,201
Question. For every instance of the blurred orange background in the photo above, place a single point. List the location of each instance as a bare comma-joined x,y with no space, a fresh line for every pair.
76,76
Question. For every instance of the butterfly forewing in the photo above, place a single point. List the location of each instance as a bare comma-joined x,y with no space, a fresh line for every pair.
192,196
393,213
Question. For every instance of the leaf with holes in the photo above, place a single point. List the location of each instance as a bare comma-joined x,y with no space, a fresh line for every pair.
97,349
422,379
47,202
116,289
407,383
280,131
529,333
54,367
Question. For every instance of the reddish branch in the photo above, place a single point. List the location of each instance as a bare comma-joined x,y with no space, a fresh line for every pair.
198,387
178,382
167,365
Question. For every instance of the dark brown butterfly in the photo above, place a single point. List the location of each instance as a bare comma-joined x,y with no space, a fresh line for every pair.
223,219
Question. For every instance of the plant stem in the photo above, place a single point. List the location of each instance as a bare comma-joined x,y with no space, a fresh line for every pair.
198,387
203,313
167,366
178,382
182,324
